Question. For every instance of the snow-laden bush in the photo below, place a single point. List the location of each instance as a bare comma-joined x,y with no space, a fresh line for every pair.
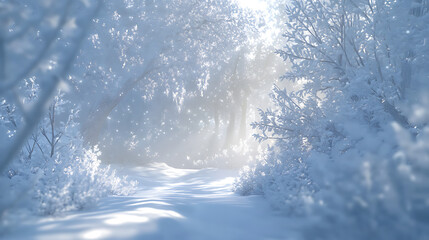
65,182
55,172
335,154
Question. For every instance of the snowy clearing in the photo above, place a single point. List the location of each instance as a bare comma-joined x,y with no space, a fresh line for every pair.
170,204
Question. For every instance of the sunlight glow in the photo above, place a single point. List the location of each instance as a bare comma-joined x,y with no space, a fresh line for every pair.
96,234
141,215
120,219
223,183
150,202
252,4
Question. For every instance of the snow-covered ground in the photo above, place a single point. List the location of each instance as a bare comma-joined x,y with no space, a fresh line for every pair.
169,204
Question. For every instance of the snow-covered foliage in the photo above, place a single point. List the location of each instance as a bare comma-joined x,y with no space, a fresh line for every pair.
178,81
335,153
45,166
55,172
184,74
39,40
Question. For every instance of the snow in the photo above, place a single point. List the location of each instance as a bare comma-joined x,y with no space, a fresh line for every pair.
170,204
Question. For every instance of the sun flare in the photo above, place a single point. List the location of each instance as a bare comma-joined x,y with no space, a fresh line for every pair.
252,4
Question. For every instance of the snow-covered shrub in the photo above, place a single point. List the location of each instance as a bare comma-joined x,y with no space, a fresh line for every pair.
55,172
335,154
75,182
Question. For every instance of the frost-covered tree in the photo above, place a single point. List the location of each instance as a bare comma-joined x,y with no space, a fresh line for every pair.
145,47
45,166
152,73
38,40
359,64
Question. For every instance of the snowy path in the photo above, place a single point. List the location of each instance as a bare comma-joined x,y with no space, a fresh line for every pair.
170,204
